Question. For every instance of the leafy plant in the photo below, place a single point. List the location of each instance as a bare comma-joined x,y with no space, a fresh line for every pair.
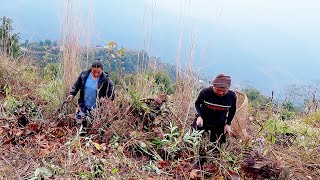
41,173
152,166
52,71
31,74
51,92
9,42
273,128
193,137
136,102
157,142
171,140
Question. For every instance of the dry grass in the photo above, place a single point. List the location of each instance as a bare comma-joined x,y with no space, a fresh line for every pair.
296,144
60,149
300,162
71,42
19,77
120,144
115,144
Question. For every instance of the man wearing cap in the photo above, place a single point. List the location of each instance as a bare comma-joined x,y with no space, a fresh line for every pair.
216,107
92,83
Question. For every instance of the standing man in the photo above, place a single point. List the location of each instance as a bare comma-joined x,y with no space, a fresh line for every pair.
216,107
93,84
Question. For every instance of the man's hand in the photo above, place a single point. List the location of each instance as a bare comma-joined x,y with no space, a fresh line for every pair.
227,129
69,98
199,121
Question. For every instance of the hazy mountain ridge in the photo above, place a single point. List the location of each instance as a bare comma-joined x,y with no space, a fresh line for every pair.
255,54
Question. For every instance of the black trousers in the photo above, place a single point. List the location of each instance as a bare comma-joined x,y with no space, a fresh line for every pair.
217,132
217,136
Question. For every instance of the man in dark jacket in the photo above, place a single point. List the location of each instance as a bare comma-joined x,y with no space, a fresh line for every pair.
216,107
93,84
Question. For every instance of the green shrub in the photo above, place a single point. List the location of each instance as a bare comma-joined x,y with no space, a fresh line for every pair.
274,128
164,82
16,106
51,92
256,98
52,71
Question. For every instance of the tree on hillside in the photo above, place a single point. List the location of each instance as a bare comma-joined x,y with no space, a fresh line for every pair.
48,42
9,43
256,98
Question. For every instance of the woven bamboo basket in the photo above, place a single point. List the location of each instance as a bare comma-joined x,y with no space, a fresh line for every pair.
239,123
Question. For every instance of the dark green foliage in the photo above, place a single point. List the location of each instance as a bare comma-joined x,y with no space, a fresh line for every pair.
256,99
164,82
122,63
47,42
40,46
117,62
288,110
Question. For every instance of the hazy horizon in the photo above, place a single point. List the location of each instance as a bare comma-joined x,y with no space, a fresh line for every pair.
267,44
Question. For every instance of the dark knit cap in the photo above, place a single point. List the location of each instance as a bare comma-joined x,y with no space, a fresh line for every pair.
222,81
97,64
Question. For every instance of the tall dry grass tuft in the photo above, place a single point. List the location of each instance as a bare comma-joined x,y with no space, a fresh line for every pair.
89,26
186,83
144,61
71,51
186,80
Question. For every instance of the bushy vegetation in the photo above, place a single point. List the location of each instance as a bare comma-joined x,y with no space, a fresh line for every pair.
139,136
145,132
256,98
286,130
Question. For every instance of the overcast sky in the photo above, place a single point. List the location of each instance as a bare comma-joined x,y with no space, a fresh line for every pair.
276,41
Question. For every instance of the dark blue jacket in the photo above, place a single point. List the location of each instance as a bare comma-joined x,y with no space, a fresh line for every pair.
105,86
